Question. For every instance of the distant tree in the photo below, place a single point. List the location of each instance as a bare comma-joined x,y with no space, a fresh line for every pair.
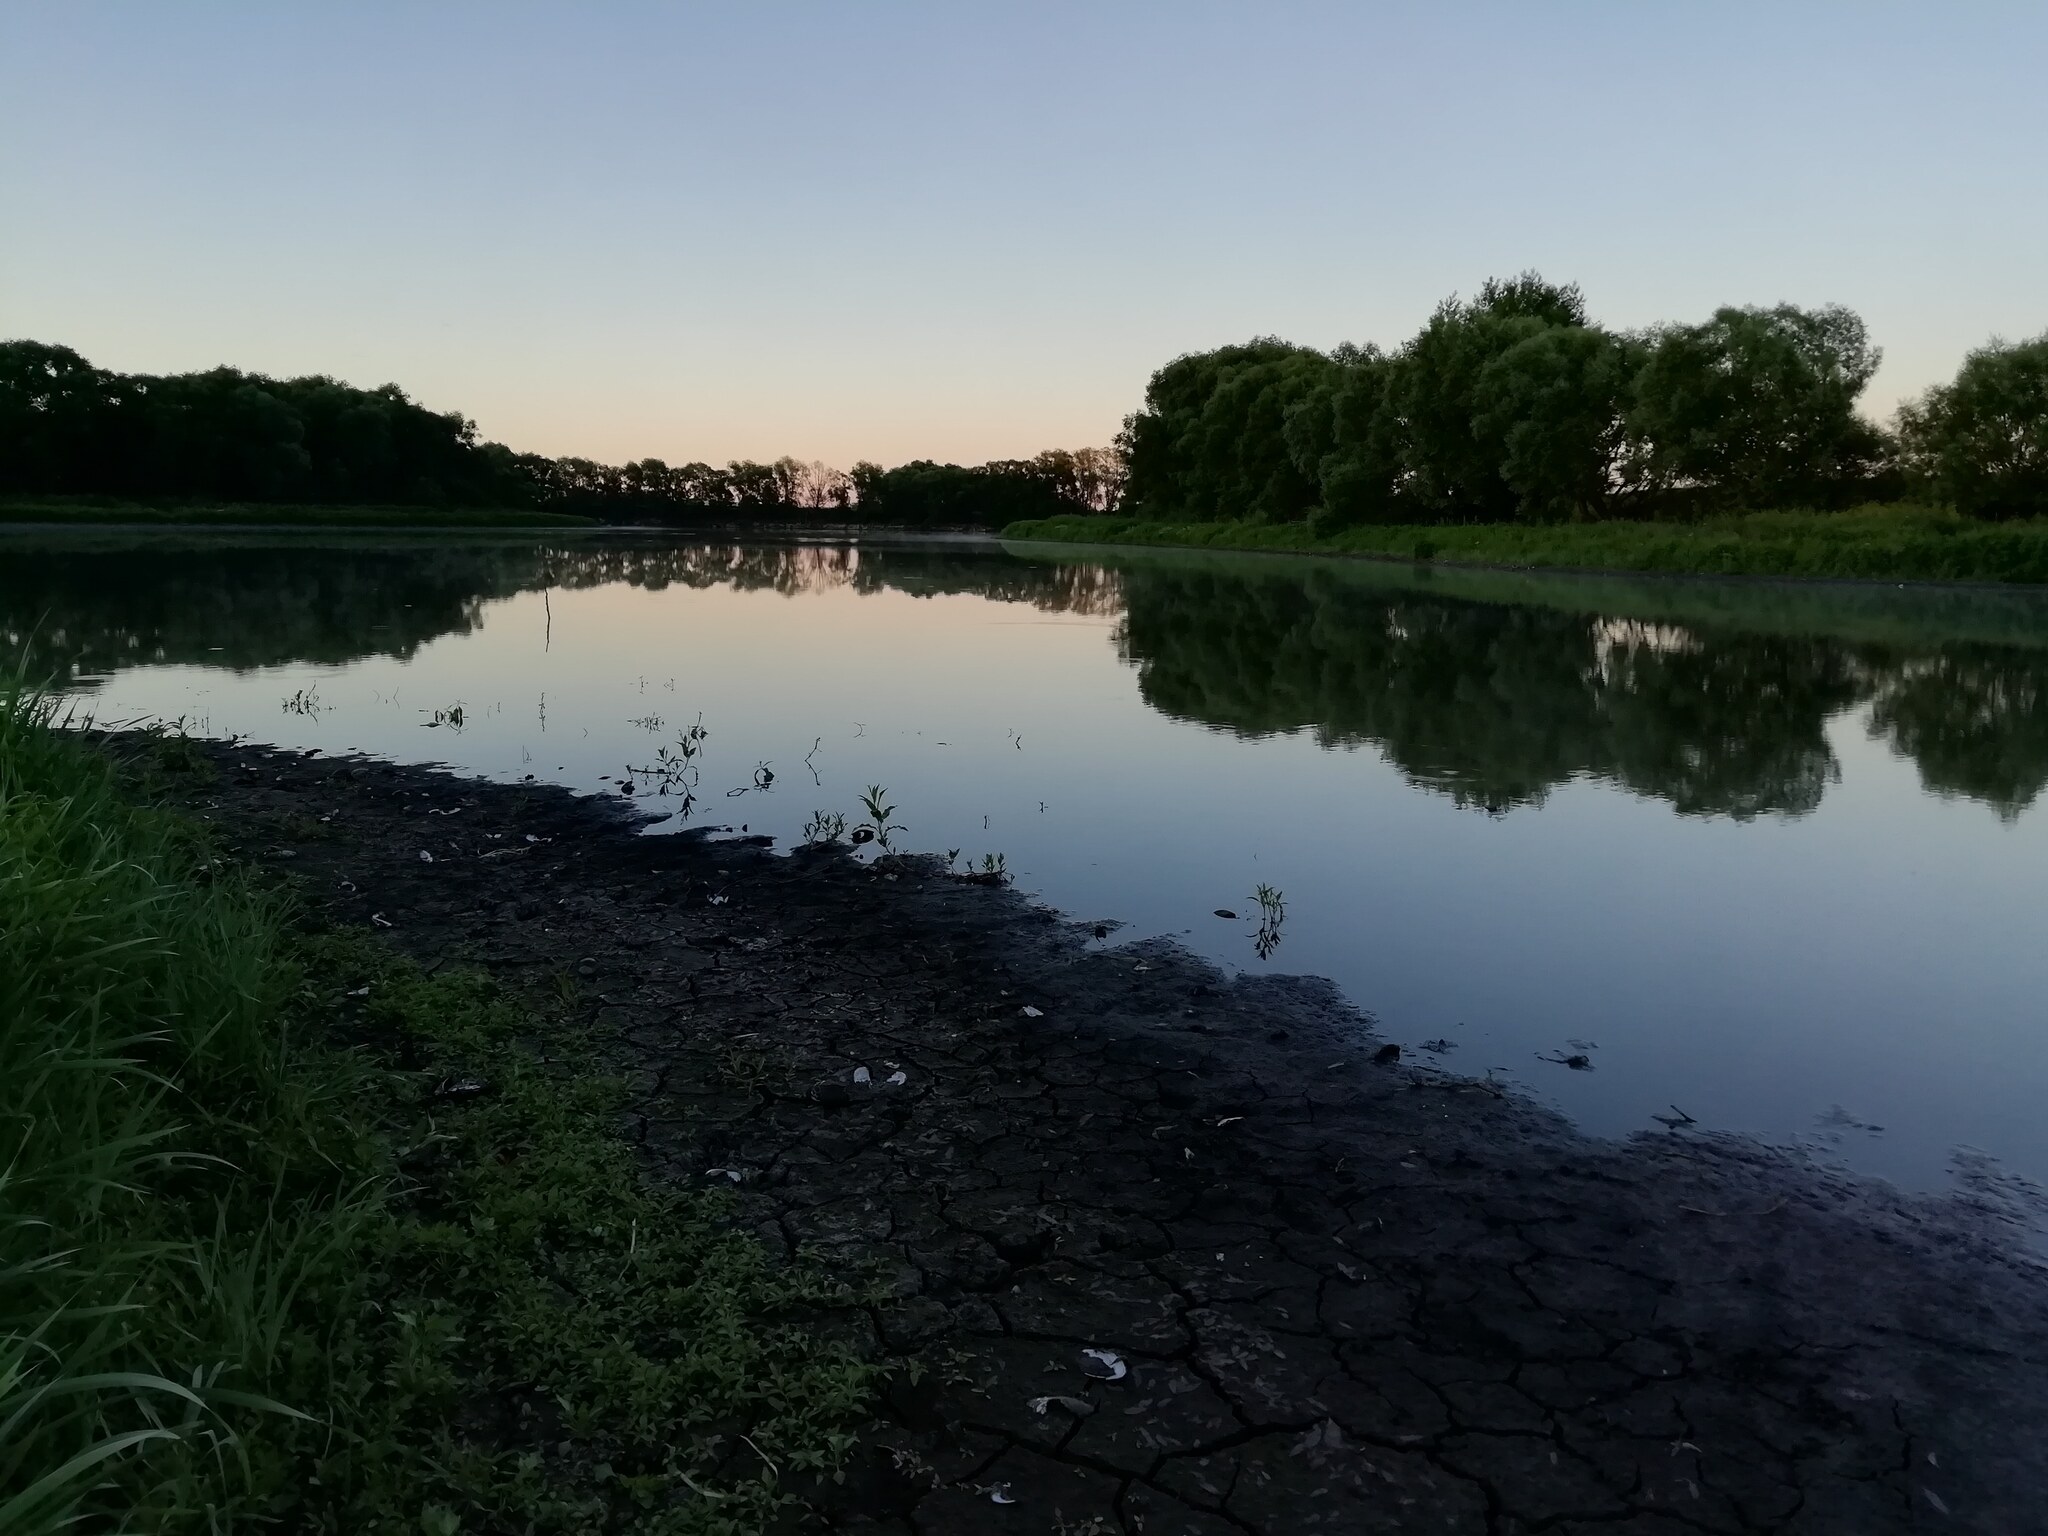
1452,441
1557,404
1757,407
58,417
1086,479
814,486
68,427
1982,441
1210,442
1341,435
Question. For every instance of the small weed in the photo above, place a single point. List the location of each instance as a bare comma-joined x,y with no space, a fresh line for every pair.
454,717
824,827
676,770
177,755
296,827
751,1068
878,825
306,702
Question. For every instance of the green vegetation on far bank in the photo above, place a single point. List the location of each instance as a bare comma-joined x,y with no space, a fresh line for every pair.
1901,542
89,510
267,1259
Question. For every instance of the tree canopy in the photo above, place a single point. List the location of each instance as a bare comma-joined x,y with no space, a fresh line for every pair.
1515,406
1983,440
68,428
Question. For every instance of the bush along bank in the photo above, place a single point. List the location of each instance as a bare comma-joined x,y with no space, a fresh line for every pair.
1878,543
295,1230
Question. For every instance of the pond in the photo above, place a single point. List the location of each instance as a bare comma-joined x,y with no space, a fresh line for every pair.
1770,856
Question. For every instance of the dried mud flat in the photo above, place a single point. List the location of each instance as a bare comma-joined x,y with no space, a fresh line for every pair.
1323,1294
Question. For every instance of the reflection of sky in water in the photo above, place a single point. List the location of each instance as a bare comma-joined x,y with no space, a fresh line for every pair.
1876,962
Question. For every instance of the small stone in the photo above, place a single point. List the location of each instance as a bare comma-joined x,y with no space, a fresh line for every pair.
1386,1055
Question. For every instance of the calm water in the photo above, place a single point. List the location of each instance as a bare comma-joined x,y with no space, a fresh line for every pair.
1772,854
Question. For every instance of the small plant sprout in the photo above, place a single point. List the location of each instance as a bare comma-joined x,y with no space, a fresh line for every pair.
878,826
993,867
824,827
306,702
675,769
454,717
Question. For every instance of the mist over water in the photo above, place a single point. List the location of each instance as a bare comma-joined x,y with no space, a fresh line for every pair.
1771,854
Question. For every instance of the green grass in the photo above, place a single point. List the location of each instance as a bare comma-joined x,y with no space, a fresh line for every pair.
1901,542
87,510
257,1270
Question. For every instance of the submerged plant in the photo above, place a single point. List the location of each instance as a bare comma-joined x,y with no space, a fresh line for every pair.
1272,913
306,701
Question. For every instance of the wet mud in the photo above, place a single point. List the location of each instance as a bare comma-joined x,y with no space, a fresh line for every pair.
1172,1252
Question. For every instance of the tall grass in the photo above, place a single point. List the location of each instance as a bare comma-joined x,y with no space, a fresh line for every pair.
147,1094
208,1211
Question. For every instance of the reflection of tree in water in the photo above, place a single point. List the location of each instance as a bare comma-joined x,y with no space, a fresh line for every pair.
803,569
101,609
100,606
1491,703
1494,704
1974,719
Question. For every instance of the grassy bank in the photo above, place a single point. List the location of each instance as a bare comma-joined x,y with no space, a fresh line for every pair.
293,1232
1876,543
87,511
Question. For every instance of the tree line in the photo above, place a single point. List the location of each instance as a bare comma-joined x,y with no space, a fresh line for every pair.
68,428
1515,406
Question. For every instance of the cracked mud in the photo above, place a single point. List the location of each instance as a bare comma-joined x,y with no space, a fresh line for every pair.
1321,1294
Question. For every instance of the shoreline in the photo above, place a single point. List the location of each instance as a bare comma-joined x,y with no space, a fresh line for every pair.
1344,1295
1914,547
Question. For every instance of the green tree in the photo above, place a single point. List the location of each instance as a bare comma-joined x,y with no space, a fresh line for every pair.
1982,442
1210,443
1757,407
1451,437
1343,436
1556,402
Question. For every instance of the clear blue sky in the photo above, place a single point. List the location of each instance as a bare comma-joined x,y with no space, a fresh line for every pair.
967,230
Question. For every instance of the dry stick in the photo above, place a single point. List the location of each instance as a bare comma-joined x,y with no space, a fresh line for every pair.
1776,1206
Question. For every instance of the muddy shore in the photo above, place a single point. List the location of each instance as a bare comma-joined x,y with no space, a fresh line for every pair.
1327,1293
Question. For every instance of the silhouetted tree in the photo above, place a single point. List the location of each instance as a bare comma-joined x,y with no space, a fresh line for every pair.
1982,442
1756,407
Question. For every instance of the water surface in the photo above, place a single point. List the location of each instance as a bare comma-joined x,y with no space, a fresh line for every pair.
1771,854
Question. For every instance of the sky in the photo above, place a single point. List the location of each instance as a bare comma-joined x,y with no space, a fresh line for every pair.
971,230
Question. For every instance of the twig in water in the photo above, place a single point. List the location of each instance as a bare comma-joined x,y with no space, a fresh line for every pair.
1771,1209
